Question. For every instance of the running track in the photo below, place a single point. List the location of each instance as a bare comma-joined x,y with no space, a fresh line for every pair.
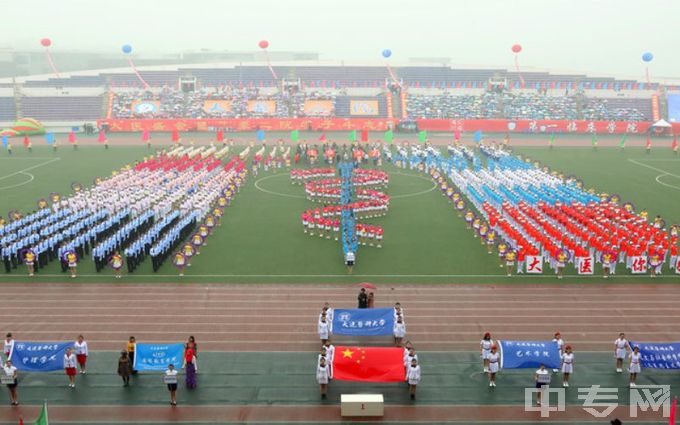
249,317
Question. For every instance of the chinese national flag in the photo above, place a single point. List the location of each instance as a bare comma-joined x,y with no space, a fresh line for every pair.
368,364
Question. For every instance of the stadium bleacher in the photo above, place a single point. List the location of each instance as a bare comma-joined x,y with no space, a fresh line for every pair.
63,108
7,109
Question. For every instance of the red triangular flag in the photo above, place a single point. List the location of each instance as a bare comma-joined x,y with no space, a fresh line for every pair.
26,141
102,136
648,143
175,136
456,136
322,138
146,136
71,137
674,146
220,136
369,364
671,417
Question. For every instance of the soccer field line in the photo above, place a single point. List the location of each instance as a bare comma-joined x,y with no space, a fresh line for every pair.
500,276
31,177
30,168
660,170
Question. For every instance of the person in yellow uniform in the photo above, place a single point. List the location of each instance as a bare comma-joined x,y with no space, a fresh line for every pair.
29,260
510,261
117,264
72,260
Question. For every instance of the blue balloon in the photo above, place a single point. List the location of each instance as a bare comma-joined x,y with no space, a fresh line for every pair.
127,49
387,53
647,57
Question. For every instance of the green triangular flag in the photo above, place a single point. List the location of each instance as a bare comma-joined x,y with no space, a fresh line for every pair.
352,136
622,143
422,136
389,136
294,135
593,140
552,139
42,418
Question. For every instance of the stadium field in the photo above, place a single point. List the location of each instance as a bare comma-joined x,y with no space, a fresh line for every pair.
261,238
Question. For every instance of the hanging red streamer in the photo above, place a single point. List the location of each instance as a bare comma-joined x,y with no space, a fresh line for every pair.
521,79
134,69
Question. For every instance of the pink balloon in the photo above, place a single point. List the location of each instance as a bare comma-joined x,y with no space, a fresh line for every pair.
46,42
263,44
516,48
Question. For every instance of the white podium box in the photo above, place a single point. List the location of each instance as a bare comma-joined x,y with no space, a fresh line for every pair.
362,405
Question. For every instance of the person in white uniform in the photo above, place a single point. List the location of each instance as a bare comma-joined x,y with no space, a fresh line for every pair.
542,379
323,329
493,365
399,331
557,339
9,344
413,377
634,368
330,354
486,344
567,365
323,375
621,348
81,352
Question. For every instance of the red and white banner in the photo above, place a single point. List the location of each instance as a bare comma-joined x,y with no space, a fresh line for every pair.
586,265
638,264
534,264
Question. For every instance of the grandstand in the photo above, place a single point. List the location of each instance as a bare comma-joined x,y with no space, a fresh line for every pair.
250,91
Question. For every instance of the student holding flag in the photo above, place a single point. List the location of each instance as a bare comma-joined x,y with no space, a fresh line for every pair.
70,362
413,377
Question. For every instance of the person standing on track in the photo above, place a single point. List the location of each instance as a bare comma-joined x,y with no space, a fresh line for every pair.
81,352
371,300
323,375
413,377
191,368
11,371
131,345
124,368
557,339
621,348
567,365
323,329
171,380
486,344
634,368
117,264
493,365
399,331
362,298
70,362
542,379
9,345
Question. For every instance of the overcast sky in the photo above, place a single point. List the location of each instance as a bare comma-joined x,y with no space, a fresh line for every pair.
596,36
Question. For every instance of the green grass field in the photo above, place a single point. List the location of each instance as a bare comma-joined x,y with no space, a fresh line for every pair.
261,238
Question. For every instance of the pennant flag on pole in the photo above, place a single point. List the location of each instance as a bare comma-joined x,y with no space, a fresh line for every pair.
648,143
352,137
294,135
364,135
102,136
26,141
389,136
146,136
369,364
261,135
71,137
622,143
4,141
674,145
322,138
220,136
49,138
552,140
174,136
593,140
42,418
422,136
671,416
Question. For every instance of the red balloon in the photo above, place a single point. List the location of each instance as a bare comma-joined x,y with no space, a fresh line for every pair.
46,42
263,44
516,48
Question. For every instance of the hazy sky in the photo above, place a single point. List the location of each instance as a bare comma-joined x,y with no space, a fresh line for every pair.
596,36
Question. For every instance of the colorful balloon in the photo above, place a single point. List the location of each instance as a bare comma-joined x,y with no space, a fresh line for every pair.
516,48
46,42
387,53
127,49
263,44
647,57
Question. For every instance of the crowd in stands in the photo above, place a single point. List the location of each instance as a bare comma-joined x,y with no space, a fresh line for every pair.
531,106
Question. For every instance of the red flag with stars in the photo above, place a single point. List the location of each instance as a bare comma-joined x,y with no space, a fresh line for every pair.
369,364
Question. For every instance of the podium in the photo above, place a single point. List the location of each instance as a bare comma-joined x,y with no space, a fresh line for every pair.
362,405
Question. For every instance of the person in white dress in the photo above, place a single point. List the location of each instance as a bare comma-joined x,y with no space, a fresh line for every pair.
81,352
413,377
9,345
557,339
398,311
323,329
486,345
70,363
399,331
323,375
493,365
621,348
634,368
330,354
567,365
